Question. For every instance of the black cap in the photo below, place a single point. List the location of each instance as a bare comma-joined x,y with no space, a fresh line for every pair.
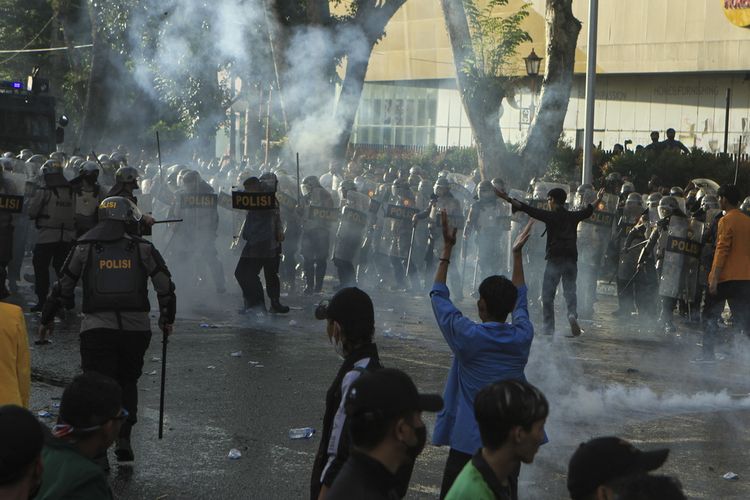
347,306
600,460
388,392
22,438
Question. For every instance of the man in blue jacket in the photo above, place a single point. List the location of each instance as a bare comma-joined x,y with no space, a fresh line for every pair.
483,352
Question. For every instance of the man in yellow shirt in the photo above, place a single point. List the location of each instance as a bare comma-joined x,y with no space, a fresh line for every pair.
729,279
15,371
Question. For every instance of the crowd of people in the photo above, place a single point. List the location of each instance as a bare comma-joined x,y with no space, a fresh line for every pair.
90,220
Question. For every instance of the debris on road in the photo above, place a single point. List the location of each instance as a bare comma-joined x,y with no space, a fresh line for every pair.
301,433
208,325
234,454
236,354
211,367
152,372
292,323
731,476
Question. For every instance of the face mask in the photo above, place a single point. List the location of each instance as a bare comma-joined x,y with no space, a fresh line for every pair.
413,451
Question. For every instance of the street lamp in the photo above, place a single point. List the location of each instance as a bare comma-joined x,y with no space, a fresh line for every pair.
533,62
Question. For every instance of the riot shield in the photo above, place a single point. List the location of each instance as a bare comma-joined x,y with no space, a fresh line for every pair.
352,225
397,227
679,273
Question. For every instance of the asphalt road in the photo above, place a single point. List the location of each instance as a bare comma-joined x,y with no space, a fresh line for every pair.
619,378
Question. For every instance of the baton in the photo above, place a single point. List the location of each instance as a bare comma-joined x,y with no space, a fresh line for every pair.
164,342
97,160
476,267
632,279
636,245
411,245
298,187
166,221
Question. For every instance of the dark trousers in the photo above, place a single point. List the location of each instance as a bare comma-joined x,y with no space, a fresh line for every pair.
117,354
44,255
247,273
737,293
288,268
558,268
453,466
347,274
315,272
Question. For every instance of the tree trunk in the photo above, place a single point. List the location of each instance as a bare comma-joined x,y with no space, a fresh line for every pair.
481,102
562,36
371,19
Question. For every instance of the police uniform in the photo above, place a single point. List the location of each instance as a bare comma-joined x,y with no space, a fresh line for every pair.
116,329
6,235
262,233
88,196
354,217
52,209
316,235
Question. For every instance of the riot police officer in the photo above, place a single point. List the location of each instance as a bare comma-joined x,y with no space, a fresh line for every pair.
489,219
316,233
670,283
626,240
263,235
353,222
126,182
52,209
115,265
88,195
6,231
193,241
396,235
442,200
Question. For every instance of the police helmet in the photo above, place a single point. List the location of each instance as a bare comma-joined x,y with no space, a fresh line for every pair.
676,191
102,158
485,190
627,187
88,168
498,184
399,187
38,159
745,206
189,177
442,186
269,181
584,188
348,185
126,175
415,170
634,199
359,182
58,156
8,154
51,167
119,208
118,157
25,154
6,164
613,177
309,183
667,206
653,199
709,201
424,187
443,174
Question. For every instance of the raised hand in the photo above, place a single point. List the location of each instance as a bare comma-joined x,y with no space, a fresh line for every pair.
523,237
449,233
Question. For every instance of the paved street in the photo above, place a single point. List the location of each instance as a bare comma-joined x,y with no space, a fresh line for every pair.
618,378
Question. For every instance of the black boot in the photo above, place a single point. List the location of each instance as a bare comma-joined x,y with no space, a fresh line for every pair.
278,308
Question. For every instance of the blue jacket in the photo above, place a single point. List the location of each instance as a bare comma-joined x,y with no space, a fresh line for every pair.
483,353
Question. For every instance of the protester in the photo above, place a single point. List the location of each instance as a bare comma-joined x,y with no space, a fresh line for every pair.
655,146
91,414
511,416
729,279
350,327
599,462
483,352
21,440
672,144
384,410
15,370
561,253
648,487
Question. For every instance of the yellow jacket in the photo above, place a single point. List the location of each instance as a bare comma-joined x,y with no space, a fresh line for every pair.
15,364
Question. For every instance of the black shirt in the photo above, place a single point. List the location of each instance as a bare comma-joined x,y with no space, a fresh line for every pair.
364,478
501,491
562,229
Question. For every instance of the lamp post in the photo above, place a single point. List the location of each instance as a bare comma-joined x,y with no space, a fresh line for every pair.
533,62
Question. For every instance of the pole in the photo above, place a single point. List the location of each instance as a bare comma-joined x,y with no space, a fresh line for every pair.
588,132
737,164
164,342
411,245
158,153
268,126
726,120
298,186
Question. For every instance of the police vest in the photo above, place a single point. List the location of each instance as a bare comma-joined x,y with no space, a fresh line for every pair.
115,279
58,211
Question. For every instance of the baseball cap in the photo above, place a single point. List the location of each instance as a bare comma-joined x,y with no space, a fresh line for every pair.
388,392
602,459
349,305
22,438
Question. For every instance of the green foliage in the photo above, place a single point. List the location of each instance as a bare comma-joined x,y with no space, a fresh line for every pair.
675,169
22,23
494,39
